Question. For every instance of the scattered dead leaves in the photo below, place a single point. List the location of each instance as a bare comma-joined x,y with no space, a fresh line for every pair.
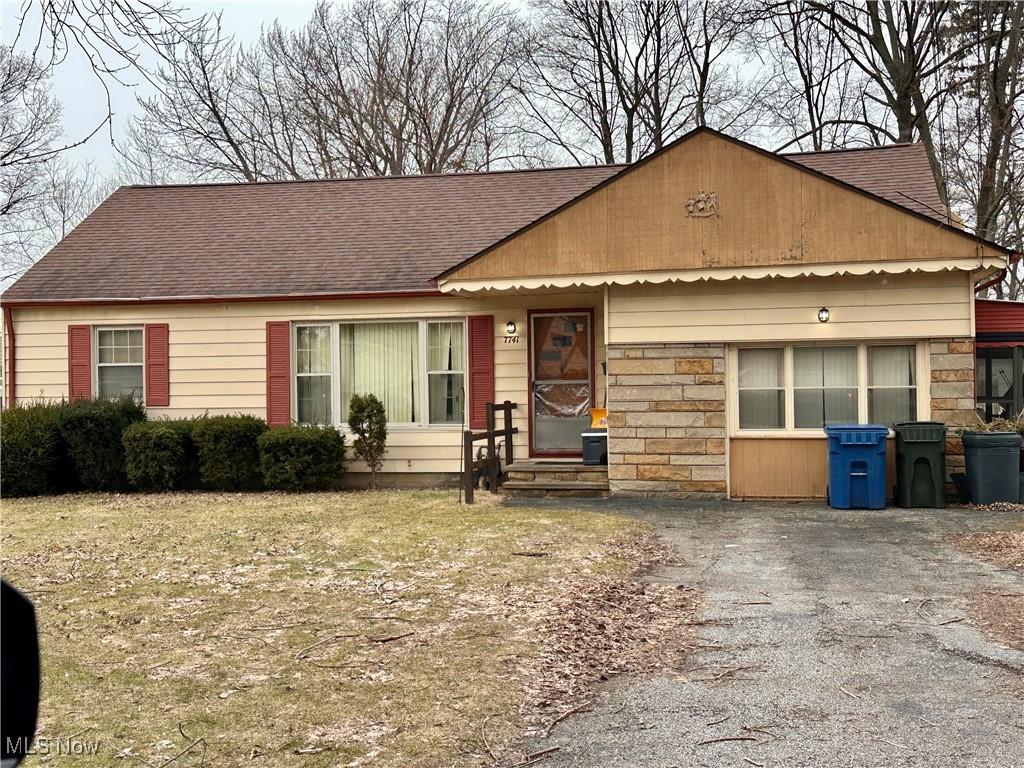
1002,548
597,627
998,613
1001,615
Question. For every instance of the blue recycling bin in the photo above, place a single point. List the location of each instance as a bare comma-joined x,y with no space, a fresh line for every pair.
856,465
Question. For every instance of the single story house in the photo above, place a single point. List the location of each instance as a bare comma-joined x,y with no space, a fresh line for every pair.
723,301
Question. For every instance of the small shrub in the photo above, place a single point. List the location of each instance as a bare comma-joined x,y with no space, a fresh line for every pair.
159,455
93,432
369,423
229,457
31,450
302,458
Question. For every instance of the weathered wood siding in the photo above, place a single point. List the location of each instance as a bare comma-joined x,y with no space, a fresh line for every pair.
770,213
218,356
787,468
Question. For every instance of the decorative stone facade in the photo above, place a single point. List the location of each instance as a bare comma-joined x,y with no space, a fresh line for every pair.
666,420
952,392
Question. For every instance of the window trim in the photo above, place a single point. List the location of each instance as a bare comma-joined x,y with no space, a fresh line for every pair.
95,363
922,373
423,396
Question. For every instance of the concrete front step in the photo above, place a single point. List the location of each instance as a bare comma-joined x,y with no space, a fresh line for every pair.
541,488
529,472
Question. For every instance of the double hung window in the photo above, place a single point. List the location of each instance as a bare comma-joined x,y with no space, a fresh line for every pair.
119,363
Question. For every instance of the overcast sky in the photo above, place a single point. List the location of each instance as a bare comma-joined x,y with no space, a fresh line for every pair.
82,96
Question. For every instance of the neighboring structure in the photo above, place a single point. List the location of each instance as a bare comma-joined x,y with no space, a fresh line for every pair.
1000,358
738,300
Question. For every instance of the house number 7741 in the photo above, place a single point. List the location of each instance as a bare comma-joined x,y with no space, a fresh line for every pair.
511,339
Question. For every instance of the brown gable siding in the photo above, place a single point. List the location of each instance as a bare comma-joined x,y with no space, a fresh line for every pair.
770,212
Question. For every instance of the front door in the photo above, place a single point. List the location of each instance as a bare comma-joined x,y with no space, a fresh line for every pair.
561,380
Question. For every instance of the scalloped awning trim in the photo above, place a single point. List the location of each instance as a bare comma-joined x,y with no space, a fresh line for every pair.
982,266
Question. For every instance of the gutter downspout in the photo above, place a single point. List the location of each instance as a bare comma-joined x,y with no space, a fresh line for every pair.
11,357
1014,258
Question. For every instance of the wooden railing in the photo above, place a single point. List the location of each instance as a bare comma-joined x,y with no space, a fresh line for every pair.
491,462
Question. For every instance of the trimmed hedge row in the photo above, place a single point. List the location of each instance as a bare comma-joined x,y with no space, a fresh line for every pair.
99,445
302,458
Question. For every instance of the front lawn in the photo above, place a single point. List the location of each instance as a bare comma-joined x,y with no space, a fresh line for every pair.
391,628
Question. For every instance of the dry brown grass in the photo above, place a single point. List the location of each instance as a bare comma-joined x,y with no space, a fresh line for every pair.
392,628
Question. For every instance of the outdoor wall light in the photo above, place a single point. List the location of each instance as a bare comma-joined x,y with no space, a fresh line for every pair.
510,327
823,315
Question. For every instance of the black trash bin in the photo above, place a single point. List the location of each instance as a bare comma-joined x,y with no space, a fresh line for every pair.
920,464
993,466
595,447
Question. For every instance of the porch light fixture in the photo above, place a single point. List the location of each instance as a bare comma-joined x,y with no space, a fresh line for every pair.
510,327
823,315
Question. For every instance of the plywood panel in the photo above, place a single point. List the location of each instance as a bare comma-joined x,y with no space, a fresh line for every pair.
786,468
770,213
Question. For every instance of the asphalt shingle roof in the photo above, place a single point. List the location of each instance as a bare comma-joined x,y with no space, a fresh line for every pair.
898,172
350,235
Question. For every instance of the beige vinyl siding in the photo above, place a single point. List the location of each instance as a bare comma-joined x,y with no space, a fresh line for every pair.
916,305
218,356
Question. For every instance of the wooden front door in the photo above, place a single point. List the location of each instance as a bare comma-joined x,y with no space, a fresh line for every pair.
561,380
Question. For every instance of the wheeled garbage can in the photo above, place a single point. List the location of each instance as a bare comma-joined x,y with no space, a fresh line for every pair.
921,464
993,466
856,465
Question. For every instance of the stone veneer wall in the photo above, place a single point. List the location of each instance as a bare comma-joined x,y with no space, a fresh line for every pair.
666,420
952,392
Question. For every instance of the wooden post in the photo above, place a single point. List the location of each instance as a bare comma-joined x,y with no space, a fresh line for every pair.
492,452
506,408
467,465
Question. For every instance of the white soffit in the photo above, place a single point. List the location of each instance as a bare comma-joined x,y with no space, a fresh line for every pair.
981,266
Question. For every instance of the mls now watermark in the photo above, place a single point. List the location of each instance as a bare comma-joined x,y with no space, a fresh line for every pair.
52,745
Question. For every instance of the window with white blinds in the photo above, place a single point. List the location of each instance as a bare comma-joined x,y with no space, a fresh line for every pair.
415,367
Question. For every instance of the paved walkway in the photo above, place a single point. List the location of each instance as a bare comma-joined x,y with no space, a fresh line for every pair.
824,646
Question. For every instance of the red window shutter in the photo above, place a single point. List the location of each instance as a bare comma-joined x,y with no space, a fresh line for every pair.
481,369
158,353
79,362
279,374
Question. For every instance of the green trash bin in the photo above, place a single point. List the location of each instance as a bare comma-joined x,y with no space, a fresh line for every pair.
921,464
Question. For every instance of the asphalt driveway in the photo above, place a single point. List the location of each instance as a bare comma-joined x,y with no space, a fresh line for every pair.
830,639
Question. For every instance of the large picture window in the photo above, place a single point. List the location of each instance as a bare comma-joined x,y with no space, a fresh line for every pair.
804,388
415,367
119,363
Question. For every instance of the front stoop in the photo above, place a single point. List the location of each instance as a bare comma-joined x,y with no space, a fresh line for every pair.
538,479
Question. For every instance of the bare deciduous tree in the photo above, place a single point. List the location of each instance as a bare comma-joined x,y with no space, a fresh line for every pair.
614,81
367,89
